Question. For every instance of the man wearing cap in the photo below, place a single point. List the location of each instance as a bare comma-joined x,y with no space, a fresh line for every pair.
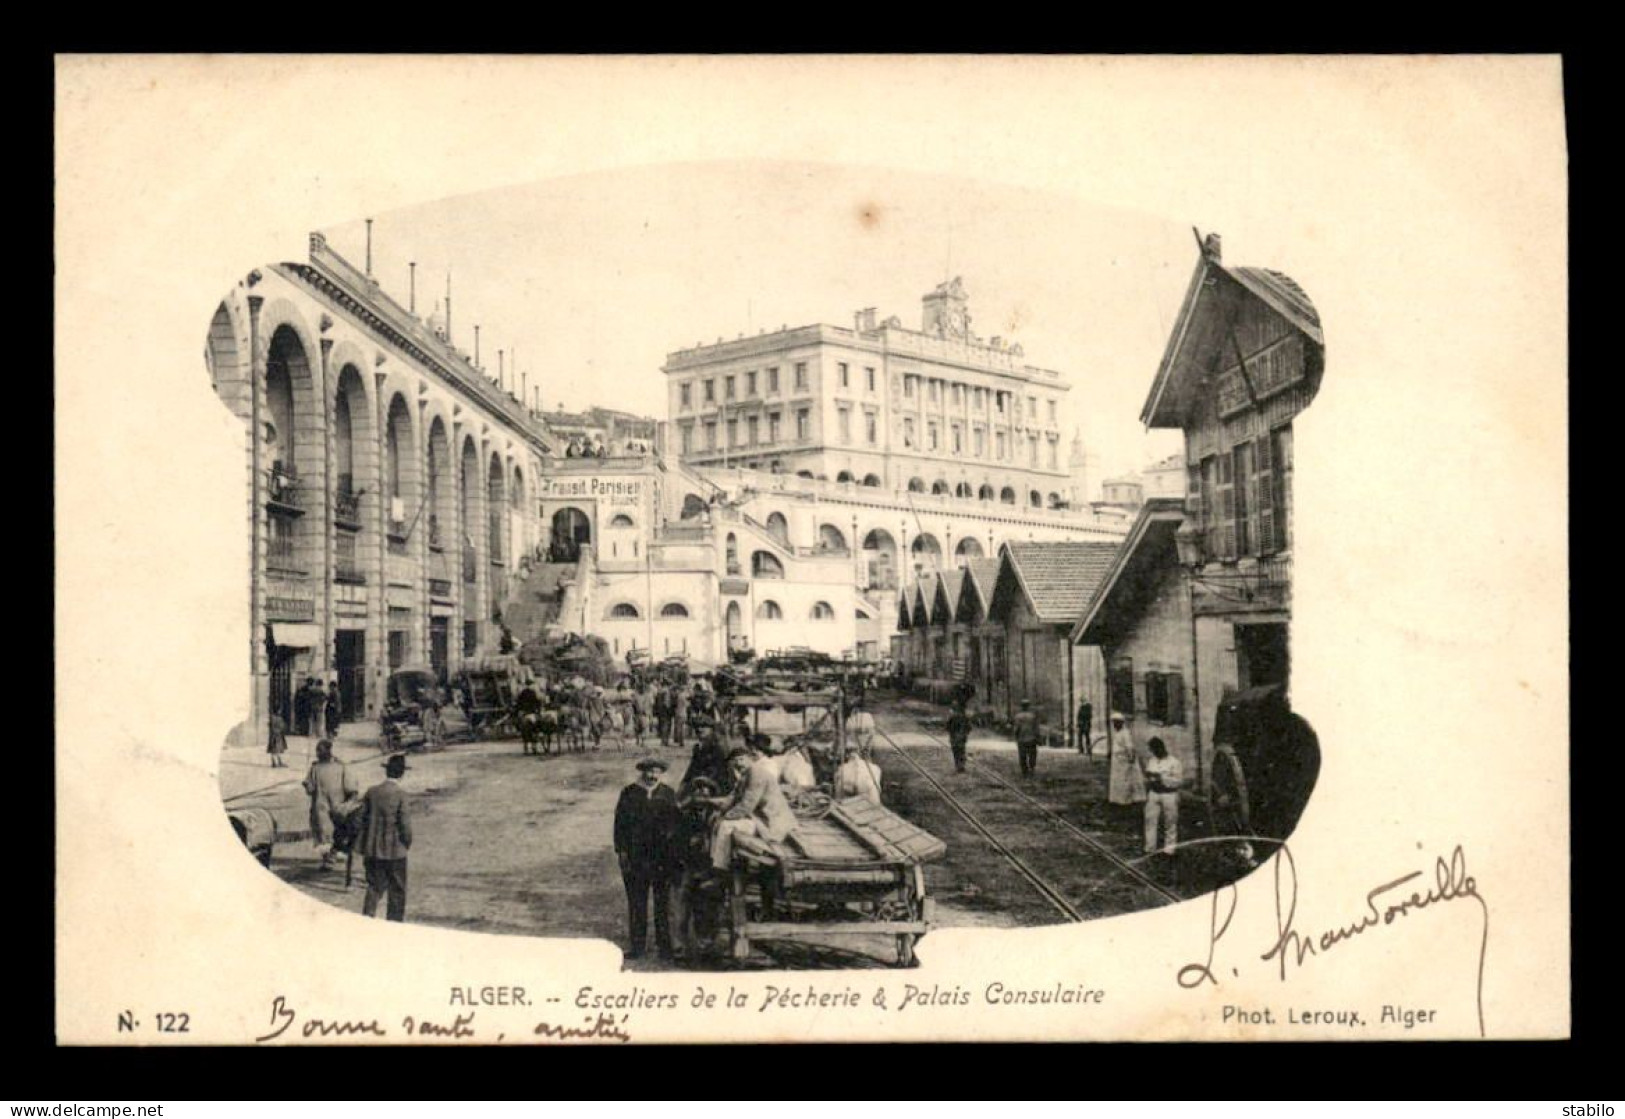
385,836
645,845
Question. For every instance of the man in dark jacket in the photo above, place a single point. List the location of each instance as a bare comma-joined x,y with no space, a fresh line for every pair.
1028,733
645,845
383,840
1086,723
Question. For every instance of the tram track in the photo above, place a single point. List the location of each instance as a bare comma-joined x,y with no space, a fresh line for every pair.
1048,890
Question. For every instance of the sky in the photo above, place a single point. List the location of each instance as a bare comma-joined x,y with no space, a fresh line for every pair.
592,280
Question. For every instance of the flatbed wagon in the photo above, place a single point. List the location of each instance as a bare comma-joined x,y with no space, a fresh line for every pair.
850,868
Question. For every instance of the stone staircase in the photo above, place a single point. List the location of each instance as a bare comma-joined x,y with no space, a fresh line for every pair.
534,601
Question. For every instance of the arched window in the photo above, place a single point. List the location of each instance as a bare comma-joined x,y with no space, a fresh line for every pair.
769,611
871,480
962,490
822,612
844,476
623,610
765,565
733,554
1007,495
621,520
831,539
986,492
939,487
807,474
693,506
1035,499
674,610
916,485
1055,501
970,547
861,614
778,528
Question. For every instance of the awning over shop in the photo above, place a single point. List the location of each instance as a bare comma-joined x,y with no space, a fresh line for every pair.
296,635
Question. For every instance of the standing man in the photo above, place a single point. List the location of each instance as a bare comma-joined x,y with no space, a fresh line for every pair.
646,847
386,834
1086,720
1028,734
329,785
1163,775
333,709
679,715
662,706
860,727
640,713
958,735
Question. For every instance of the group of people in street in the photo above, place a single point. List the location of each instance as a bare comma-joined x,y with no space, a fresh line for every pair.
675,845
315,714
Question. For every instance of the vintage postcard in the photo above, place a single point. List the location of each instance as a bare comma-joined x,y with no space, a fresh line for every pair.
811,548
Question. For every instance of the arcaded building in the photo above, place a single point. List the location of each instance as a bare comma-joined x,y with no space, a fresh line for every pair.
389,484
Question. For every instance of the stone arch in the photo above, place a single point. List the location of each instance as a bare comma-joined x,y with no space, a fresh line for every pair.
880,559
622,611
844,476
733,622
1035,499
986,493
778,527
939,487
496,504
731,554
927,547
675,609
1008,495
831,539
871,480
621,520
1053,500
821,612
225,356
400,474
468,517
293,456
693,506
765,565
962,490
442,496
571,528
969,548
769,611
916,485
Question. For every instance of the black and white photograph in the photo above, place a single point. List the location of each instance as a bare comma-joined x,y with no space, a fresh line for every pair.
749,580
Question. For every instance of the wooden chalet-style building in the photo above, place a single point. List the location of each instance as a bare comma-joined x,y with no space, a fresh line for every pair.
1039,593
1244,358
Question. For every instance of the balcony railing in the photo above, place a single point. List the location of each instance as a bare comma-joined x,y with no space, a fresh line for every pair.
283,488
347,507
348,571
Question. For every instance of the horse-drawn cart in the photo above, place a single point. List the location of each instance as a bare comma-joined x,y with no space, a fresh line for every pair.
854,870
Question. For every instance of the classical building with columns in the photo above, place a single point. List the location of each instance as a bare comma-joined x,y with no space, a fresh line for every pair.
389,483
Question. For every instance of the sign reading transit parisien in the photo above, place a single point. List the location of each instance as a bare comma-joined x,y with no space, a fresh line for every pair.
610,491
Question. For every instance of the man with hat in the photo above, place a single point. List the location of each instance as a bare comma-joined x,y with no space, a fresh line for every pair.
646,820
383,840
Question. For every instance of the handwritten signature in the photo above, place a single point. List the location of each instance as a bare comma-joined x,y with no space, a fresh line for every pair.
284,1017
1292,948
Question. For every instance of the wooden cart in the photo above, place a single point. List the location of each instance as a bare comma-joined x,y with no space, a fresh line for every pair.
854,871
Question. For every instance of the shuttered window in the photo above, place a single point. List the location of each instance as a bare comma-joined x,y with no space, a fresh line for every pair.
1280,467
1165,698
1263,464
1225,544
1246,504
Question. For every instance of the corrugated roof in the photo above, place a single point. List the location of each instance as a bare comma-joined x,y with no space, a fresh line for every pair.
1060,577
